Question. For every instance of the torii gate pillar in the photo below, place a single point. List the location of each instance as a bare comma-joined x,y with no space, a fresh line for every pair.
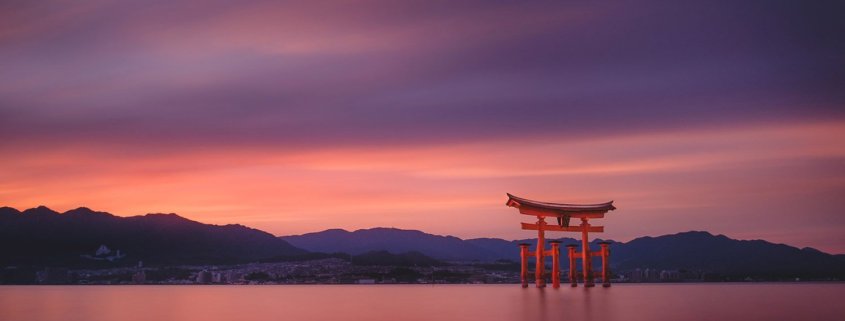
540,263
573,268
586,257
605,270
523,255
555,264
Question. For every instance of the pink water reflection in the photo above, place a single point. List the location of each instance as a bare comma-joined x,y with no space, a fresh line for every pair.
747,302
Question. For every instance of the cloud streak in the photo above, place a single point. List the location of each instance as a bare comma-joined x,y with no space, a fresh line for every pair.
297,116
742,176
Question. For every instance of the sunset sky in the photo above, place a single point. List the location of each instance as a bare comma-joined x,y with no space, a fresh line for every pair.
293,117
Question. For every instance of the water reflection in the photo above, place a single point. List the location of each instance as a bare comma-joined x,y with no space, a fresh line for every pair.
747,302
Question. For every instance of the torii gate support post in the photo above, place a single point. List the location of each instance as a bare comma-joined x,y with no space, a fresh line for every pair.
555,264
605,271
573,276
523,254
586,256
540,263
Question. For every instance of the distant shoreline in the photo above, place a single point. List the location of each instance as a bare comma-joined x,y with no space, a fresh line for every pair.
563,286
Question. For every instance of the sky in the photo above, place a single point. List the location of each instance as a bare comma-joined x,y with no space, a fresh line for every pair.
300,116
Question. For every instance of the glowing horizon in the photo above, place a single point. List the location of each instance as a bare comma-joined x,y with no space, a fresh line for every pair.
457,190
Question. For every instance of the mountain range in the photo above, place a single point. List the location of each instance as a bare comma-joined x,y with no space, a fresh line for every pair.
694,250
40,236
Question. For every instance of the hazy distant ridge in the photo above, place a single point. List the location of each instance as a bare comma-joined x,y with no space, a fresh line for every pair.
394,241
692,250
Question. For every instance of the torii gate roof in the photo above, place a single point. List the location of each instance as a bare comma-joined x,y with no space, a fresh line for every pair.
530,207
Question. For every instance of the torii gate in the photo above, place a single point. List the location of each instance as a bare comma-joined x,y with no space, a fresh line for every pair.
563,213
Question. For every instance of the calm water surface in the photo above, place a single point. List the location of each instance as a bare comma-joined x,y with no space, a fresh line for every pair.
746,302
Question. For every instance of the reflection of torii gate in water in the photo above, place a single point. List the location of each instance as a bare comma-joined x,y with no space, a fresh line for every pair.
563,213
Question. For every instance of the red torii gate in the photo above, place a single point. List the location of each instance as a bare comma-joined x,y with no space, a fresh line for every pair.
563,213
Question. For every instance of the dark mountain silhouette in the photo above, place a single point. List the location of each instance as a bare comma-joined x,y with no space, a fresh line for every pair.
698,251
399,241
509,250
41,236
718,253
391,240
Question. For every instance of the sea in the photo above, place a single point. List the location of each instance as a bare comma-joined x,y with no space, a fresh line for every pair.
630,302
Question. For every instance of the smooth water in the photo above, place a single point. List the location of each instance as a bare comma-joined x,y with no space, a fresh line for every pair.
715,301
